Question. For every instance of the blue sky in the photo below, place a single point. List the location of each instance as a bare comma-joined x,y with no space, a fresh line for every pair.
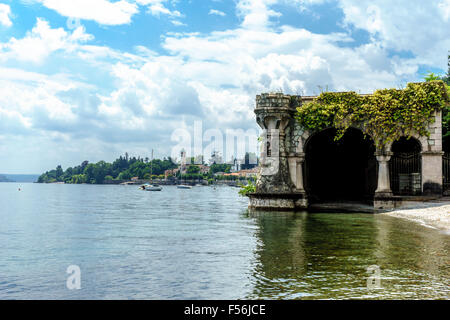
93,79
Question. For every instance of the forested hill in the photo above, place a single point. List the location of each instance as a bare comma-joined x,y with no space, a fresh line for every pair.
123,168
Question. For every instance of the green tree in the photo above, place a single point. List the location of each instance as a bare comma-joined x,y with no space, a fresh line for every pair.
446,110
193,169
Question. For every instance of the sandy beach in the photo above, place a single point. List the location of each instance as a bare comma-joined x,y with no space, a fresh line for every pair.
431,214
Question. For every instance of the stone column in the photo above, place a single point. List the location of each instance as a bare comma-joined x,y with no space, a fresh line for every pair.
384,185
432,172
296,171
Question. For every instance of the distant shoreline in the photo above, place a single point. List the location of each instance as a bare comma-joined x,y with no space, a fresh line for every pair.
19,178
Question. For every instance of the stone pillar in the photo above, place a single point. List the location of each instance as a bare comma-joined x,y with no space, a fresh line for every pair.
384,182
296,176
276,182
384,199
275,115
432,175
432,172
296,171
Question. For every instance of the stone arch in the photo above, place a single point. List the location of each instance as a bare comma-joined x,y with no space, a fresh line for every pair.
422,141
308,134
336,170
405,166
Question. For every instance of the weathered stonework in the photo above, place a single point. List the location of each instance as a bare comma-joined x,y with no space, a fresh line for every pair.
280,182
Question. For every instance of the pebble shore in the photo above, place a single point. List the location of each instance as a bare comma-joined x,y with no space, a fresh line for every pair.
433,215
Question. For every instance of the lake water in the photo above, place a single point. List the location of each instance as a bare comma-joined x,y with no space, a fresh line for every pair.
203,244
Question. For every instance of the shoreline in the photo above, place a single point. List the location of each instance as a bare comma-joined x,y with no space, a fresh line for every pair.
435,215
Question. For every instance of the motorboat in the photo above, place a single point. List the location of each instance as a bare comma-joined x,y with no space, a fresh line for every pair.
153,187
150,187
183,186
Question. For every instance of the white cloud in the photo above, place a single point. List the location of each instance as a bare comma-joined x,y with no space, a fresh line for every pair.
421,27
178,23
5,15
256,14
41,42
102,11
157,8
210,76
107,12
217,12
444,6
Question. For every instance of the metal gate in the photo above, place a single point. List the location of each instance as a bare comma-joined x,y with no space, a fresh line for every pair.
405,173
446,170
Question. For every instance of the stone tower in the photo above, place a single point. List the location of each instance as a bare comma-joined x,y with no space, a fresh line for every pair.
280,182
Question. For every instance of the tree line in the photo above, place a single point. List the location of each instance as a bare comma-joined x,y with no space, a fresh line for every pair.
123,168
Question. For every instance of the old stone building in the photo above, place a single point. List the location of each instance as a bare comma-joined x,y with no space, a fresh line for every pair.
299,168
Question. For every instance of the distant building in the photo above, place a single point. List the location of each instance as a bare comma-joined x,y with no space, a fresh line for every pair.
242,173
249,172
172,172
235,165
203,169
250,161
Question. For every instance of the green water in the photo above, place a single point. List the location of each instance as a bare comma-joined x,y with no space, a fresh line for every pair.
203,244
326,256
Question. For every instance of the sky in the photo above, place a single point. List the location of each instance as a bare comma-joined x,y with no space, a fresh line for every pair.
93,79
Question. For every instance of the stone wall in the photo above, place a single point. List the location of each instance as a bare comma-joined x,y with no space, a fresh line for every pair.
281,169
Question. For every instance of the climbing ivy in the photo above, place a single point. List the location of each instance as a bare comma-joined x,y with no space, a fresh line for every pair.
386,115
246,190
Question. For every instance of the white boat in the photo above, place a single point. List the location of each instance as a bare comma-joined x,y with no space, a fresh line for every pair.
153,188
149,187
183,186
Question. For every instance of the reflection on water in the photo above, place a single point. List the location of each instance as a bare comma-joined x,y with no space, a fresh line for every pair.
326,256
203,244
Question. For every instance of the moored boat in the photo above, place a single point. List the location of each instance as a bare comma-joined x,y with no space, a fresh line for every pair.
183,186
153,188
149,187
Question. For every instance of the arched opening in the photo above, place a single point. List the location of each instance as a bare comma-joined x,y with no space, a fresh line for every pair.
340,170
405,167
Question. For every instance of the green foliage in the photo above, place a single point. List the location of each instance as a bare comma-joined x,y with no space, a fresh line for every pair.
446,110
246,190
219,167
191,176
123,168
78,179
386,115
193,169
431,77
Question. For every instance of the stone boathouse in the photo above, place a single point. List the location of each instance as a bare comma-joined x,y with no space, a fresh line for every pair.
299,168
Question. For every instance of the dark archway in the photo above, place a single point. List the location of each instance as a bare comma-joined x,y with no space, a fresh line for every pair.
405,167
340,170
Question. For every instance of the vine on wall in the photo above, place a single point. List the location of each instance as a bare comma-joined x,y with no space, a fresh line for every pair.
386,115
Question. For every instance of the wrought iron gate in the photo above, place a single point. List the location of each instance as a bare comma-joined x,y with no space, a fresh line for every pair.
446,170
405,173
